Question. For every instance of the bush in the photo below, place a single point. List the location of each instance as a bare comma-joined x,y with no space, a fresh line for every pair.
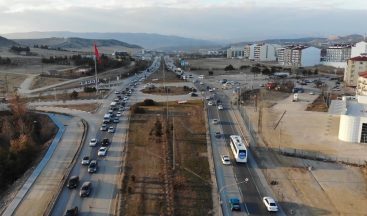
74,95
149,102
229,67
210,73
89,89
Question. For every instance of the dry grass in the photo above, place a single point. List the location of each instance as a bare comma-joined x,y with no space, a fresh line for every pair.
171,90
39,82
318,105
10,81
169,77
83,107
64,96
145,177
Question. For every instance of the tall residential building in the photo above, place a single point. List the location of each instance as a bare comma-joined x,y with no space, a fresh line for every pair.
359,49
262,52
298,56
336,55
355,66
239,52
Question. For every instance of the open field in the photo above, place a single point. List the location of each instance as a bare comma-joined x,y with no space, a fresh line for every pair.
171,90
151,185
83,107
10,82
325,189
40,81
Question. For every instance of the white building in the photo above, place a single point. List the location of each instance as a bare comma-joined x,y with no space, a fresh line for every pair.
359,49
239,52
362,84
353,118
263,52
310,56
336,55
355,66
298,55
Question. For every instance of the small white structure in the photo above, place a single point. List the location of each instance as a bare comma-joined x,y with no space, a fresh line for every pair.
353,118
359,49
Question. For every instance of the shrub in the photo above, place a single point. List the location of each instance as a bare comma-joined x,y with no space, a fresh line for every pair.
229,67
149,102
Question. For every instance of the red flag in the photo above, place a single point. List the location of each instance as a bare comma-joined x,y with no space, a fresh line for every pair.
98,58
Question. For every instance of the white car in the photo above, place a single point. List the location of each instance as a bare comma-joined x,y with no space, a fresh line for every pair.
111,130
117,92
102,151
215,121
85,160
270,204
93,142
226,160
210,103
220,107
118,114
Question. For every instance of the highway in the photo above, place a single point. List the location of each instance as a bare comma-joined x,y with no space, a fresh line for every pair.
105,181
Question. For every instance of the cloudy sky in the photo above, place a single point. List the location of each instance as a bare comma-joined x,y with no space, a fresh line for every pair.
239,20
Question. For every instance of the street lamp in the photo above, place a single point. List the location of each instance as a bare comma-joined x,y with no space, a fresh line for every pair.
226,186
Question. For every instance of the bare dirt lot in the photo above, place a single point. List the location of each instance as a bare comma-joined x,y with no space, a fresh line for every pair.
326,188
151,185
10,82
171,90
40,81
83,107
158,77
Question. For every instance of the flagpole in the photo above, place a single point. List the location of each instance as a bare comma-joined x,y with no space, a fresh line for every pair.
95,69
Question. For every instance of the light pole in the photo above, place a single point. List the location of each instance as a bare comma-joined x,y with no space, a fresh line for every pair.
226,186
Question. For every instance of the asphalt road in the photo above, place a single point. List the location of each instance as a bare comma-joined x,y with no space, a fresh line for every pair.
104,181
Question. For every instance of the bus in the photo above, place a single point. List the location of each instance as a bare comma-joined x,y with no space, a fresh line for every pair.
238,148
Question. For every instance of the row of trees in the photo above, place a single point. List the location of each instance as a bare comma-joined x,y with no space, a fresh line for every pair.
22,135
18,49
5,61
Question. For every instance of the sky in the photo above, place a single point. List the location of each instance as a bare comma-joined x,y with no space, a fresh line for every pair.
231,20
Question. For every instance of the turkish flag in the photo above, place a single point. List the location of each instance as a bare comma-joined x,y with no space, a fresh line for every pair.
96,53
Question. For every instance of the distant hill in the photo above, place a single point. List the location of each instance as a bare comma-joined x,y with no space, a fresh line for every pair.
6,42
146,40
72,43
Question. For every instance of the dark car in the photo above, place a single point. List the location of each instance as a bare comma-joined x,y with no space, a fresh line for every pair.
193,94
234,204
85,189
105,142
72,212
92,168
73,182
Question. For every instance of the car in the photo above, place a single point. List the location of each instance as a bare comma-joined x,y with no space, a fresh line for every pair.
103,127
208,97
270,204
121,109
85,189
73,182
201,83
118,114
215,121
102,151
110,111
225,159
211,90
93,142
93,166
193,94
85,160
210,103
125,98
72,211
311,93
234,204
217,134
116,120
111,130
117,92
220,107
105,142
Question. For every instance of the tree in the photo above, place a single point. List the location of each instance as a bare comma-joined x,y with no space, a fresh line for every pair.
229,67
255,69
74,95
210,73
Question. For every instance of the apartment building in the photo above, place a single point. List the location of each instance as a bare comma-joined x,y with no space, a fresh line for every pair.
336,55
263,52
298,56
355,66
362,84
239,52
